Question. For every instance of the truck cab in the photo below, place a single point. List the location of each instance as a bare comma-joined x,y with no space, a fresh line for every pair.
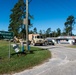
36,39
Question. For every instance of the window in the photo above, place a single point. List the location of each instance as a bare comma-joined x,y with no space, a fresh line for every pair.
39,36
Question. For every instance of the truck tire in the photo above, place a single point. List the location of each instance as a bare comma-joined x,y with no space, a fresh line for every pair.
41,44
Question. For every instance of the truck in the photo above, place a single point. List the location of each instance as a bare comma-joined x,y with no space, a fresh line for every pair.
36,39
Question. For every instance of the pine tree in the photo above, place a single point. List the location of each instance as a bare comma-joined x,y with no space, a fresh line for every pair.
16,17
69,25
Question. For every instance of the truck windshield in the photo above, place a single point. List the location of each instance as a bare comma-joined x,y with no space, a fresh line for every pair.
39,36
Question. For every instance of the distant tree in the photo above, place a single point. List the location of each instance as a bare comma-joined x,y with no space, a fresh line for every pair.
44,33
48,31
69,25
31,32
40,32
54,34
35,30
58,32
63,33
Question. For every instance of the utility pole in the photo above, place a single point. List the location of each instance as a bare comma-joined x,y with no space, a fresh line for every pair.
27,38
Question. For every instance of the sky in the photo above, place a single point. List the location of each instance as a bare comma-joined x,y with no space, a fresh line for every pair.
47,13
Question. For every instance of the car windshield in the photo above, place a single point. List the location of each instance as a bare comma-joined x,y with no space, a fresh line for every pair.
39,36
49,40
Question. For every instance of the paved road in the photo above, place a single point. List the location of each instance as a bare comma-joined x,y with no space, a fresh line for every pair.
63,62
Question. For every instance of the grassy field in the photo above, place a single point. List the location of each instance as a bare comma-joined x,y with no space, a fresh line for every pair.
21,62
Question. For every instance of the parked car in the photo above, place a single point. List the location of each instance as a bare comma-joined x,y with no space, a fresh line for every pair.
49,41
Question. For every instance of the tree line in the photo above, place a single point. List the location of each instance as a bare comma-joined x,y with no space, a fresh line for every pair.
46,33
18,13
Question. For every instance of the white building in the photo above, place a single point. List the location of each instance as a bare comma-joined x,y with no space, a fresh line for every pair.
67,39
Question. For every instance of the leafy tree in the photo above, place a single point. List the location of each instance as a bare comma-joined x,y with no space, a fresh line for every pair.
40,32
31,32
69,25
44,33
35,30
58,32
54,34
48,32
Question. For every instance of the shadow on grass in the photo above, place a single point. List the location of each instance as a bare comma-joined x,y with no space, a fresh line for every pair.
18,54
39,50
27,52
22,53
0,58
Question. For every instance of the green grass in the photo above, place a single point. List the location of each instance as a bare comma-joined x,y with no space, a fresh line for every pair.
72,46
21,62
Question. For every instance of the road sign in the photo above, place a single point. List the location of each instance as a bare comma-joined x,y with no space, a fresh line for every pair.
6,35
